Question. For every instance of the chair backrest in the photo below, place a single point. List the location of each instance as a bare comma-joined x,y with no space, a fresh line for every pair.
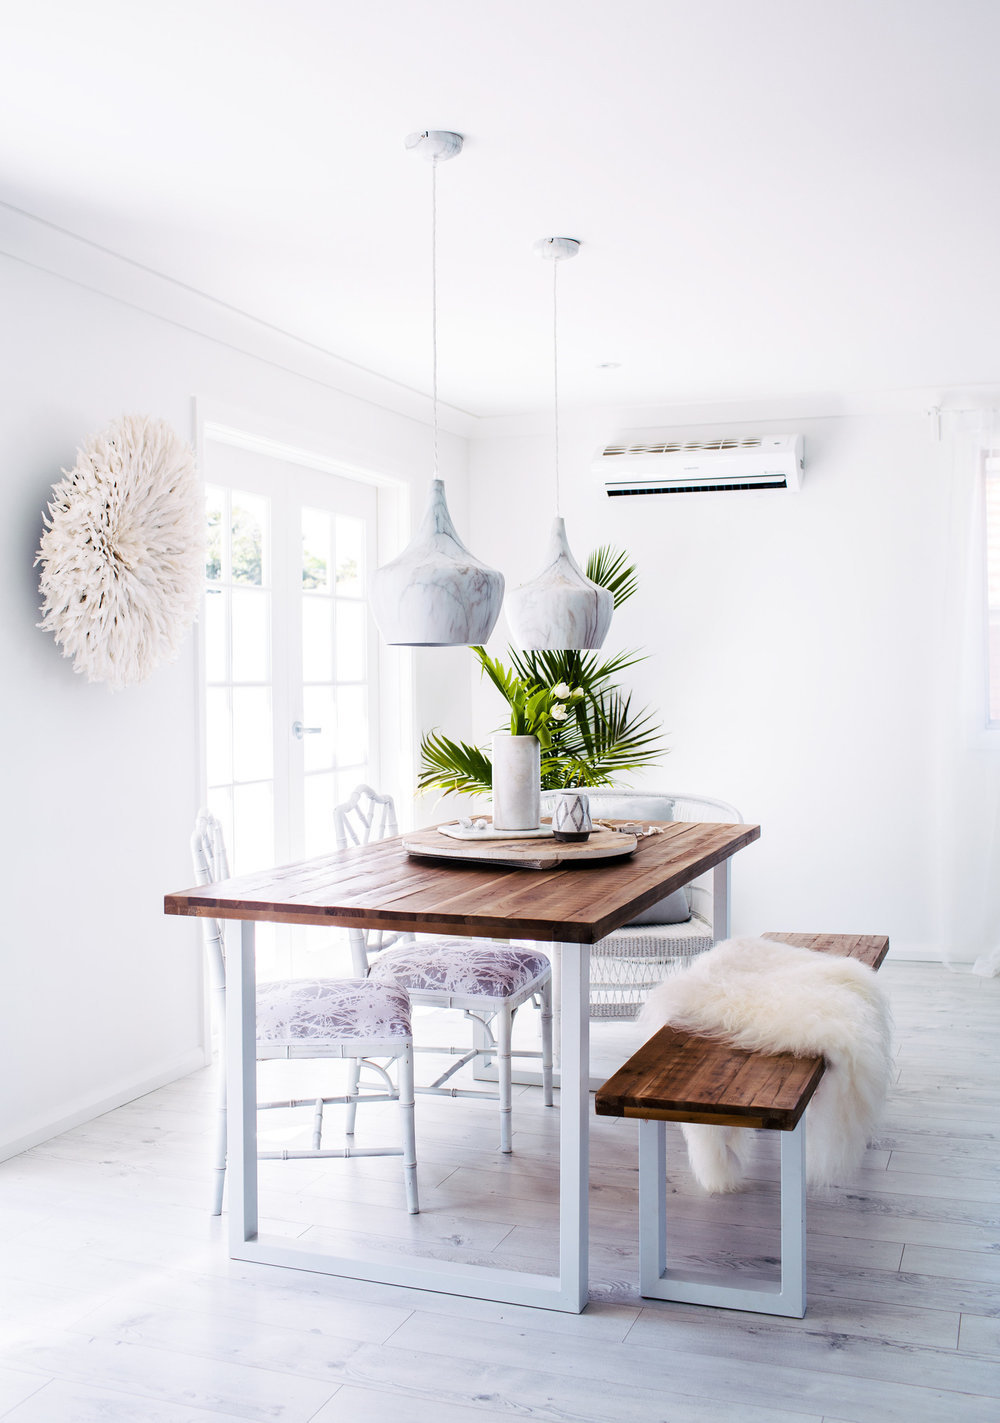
208,851
608,802
365,816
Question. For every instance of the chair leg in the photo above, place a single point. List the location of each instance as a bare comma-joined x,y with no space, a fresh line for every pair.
555,958
546,1002
505,1028
219,1178
408,1125
318,1124
353,1078
221,1129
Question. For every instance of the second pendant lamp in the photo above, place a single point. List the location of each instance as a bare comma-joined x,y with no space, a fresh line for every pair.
561,609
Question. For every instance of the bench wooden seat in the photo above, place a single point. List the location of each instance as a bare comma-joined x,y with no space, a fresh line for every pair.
682,1077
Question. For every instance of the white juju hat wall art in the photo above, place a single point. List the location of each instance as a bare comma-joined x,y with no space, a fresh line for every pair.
561,608
435,593
123,552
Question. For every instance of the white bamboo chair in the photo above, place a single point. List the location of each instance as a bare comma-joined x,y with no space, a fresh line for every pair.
354,1018
483,979
628,963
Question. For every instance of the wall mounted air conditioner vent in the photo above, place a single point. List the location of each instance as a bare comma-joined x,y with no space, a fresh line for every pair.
709,466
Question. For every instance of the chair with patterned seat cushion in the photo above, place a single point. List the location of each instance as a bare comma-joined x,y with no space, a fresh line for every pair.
485,980
359,1020
625,965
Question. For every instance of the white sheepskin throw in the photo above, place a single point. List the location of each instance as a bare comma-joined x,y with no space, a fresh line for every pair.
123,552
771,997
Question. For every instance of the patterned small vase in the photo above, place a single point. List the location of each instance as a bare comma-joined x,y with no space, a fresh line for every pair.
571,817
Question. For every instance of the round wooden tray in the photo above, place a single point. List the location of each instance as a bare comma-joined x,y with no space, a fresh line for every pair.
526,854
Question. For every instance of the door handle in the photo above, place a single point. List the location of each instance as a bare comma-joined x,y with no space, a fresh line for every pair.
298,730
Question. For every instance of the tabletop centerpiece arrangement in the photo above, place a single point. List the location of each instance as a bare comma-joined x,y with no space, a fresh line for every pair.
571,724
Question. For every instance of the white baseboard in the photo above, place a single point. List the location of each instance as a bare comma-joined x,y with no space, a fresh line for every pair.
89,1107
924,953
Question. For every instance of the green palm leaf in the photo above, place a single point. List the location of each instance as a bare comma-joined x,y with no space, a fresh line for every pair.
611,569
447,765
576,669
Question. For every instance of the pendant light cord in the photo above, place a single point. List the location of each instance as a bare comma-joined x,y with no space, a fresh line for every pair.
434,309
555,368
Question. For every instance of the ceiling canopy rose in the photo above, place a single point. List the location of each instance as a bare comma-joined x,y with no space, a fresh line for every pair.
123,552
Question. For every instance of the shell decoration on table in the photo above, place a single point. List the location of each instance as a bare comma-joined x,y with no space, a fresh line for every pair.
123,552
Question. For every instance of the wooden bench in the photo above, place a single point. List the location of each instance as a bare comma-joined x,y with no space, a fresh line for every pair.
682,1077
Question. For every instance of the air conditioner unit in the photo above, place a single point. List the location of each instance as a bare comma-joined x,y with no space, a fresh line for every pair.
711,466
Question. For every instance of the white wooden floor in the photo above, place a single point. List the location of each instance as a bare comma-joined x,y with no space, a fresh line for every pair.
118,1301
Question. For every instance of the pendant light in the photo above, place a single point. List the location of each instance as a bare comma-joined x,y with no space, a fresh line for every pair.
436,593
562,608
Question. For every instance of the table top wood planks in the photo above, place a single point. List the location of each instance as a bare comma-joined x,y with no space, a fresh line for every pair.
679,1076
381,886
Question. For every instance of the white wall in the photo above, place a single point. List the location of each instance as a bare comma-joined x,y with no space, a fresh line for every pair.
794,643
102,996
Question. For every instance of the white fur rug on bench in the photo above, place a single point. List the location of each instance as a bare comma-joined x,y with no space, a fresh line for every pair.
770,997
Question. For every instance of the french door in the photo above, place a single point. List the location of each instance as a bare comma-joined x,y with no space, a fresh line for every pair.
290,660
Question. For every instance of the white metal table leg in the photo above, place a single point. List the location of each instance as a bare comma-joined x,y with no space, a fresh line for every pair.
567,1291
241,1047
574,1123
721,885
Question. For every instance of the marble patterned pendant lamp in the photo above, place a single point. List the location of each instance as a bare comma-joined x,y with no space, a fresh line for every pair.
435,593
562,608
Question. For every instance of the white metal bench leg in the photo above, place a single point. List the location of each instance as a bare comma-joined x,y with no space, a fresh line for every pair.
652,1206
658,1282
793,1220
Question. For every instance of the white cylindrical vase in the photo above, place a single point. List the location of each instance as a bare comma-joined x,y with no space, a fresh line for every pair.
517,782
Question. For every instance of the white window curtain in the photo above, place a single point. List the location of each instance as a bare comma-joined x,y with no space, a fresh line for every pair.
969,762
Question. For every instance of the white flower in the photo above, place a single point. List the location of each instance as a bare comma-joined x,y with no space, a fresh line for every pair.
561,690
576,693
559,712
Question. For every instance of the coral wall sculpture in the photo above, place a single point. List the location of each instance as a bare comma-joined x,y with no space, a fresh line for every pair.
123,552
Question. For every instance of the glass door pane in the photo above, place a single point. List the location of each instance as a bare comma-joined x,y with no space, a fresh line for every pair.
335,688
239,724
290,665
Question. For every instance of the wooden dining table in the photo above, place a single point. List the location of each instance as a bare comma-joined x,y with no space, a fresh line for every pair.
380,886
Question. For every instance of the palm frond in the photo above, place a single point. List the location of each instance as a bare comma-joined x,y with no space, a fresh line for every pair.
604,742
611,569
447,765
576,669
504,681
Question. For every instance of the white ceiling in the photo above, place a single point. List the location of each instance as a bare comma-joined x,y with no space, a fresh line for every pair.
774,196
